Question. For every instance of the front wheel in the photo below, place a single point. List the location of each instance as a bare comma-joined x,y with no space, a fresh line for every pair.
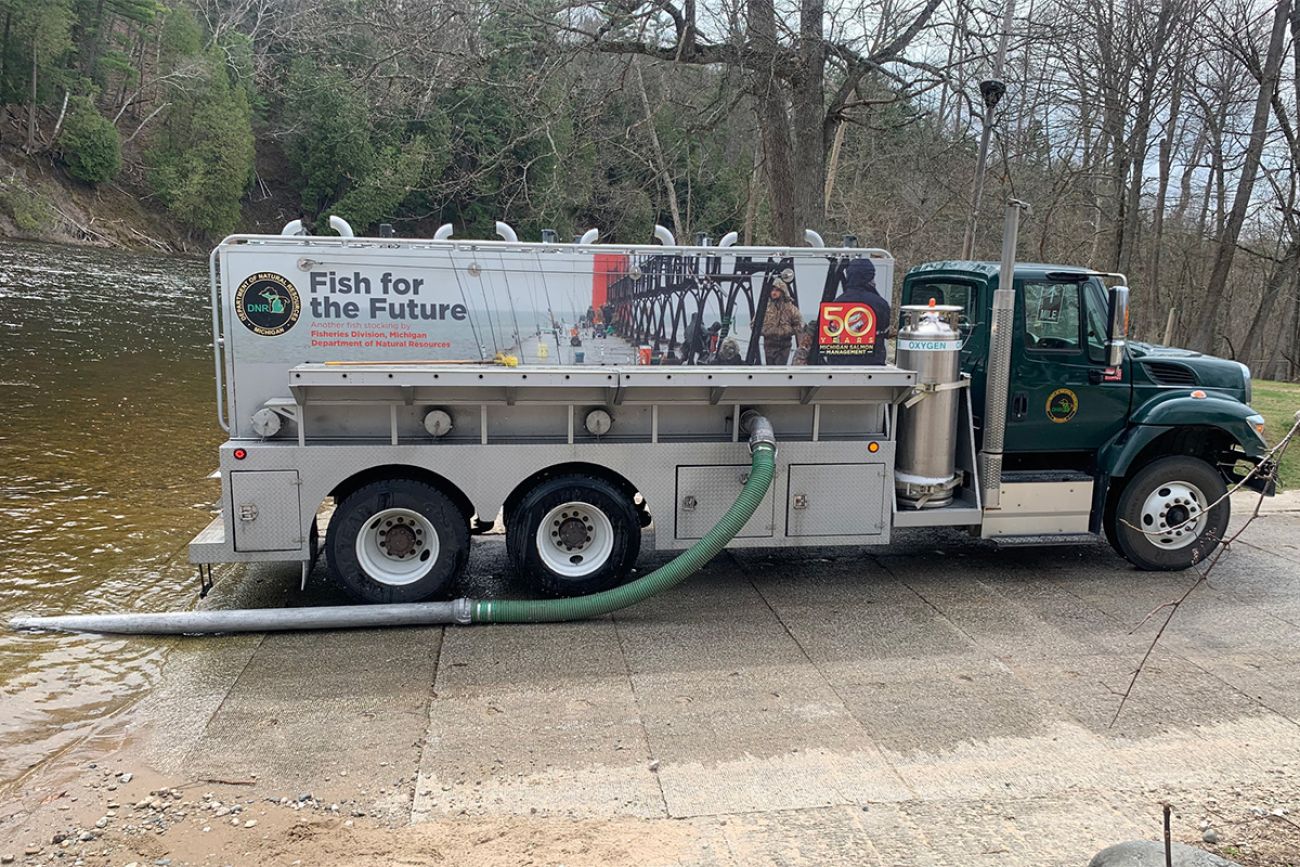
397,540
1171,514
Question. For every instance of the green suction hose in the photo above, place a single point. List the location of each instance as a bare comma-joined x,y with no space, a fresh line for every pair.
762,468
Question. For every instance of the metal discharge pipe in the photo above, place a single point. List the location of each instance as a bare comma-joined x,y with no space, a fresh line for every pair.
251,619
762,447
998,382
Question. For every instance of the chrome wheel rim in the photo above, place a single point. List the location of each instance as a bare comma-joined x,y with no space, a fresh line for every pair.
575,539
1174,515
397,547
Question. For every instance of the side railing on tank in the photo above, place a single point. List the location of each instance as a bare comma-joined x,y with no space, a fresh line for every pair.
218,342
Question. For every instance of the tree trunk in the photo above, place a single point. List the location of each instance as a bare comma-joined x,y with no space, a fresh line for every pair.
31,105
1166,155
812,131
58,124
1203,335
1141,137
4,54
751,200
670,189
1281,276
773,125
1185,183
1279,358
96,31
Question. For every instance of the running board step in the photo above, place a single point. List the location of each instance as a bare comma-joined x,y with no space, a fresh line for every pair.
1043,541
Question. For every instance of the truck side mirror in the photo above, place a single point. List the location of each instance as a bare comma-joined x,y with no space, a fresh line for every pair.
1117,327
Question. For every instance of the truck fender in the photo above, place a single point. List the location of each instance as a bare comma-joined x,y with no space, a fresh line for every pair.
1180,409
1159,416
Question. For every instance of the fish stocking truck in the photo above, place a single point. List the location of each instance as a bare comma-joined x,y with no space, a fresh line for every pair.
576,394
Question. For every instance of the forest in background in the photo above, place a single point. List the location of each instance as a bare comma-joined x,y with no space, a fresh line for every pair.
1157,139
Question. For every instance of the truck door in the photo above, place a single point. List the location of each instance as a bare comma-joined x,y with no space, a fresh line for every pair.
1063,398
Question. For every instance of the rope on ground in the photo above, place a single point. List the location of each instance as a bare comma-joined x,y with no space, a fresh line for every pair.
1273,459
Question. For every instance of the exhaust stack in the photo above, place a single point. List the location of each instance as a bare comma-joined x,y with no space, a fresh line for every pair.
999,370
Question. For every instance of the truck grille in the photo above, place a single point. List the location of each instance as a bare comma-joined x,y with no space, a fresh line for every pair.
1169,374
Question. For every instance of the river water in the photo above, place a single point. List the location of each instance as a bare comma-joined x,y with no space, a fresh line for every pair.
107,431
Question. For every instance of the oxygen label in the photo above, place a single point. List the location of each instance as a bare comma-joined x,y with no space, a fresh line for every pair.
915,345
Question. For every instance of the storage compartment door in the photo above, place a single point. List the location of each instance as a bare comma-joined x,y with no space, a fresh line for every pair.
265,511
704,494
836,500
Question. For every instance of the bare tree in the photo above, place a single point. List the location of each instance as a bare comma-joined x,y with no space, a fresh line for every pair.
1203,336
798,106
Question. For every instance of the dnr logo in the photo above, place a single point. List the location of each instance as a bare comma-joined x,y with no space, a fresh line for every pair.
267,304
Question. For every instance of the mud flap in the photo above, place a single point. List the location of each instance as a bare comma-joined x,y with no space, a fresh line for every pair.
313,544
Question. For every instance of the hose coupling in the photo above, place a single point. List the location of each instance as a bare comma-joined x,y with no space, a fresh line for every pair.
759,429
462,610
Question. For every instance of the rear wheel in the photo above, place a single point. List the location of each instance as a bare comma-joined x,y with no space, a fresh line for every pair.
1171,514
574,535
397,540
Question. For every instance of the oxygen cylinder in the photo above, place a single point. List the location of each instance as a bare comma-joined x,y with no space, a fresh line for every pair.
930,344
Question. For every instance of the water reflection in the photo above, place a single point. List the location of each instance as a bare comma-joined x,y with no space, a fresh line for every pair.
107,430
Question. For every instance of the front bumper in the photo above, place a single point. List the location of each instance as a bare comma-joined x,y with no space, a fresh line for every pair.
1264,480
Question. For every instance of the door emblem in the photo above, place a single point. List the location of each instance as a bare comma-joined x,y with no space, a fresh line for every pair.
1062,404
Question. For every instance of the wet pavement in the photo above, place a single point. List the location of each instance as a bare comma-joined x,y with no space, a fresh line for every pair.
938,702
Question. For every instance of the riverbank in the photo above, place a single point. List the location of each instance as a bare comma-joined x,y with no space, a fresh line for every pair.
40,202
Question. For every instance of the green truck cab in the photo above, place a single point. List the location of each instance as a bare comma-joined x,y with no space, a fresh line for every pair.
1161,434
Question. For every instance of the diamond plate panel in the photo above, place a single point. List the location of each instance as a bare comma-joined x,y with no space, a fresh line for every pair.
836,500
265,511
704,494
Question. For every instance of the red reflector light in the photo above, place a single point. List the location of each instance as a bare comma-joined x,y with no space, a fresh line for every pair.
240,454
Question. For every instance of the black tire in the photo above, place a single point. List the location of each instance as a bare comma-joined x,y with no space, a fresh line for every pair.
1108,523
513,536
616,545
1157,499
355,515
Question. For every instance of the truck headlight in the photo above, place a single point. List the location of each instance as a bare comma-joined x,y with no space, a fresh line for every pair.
1256,423
1246,382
